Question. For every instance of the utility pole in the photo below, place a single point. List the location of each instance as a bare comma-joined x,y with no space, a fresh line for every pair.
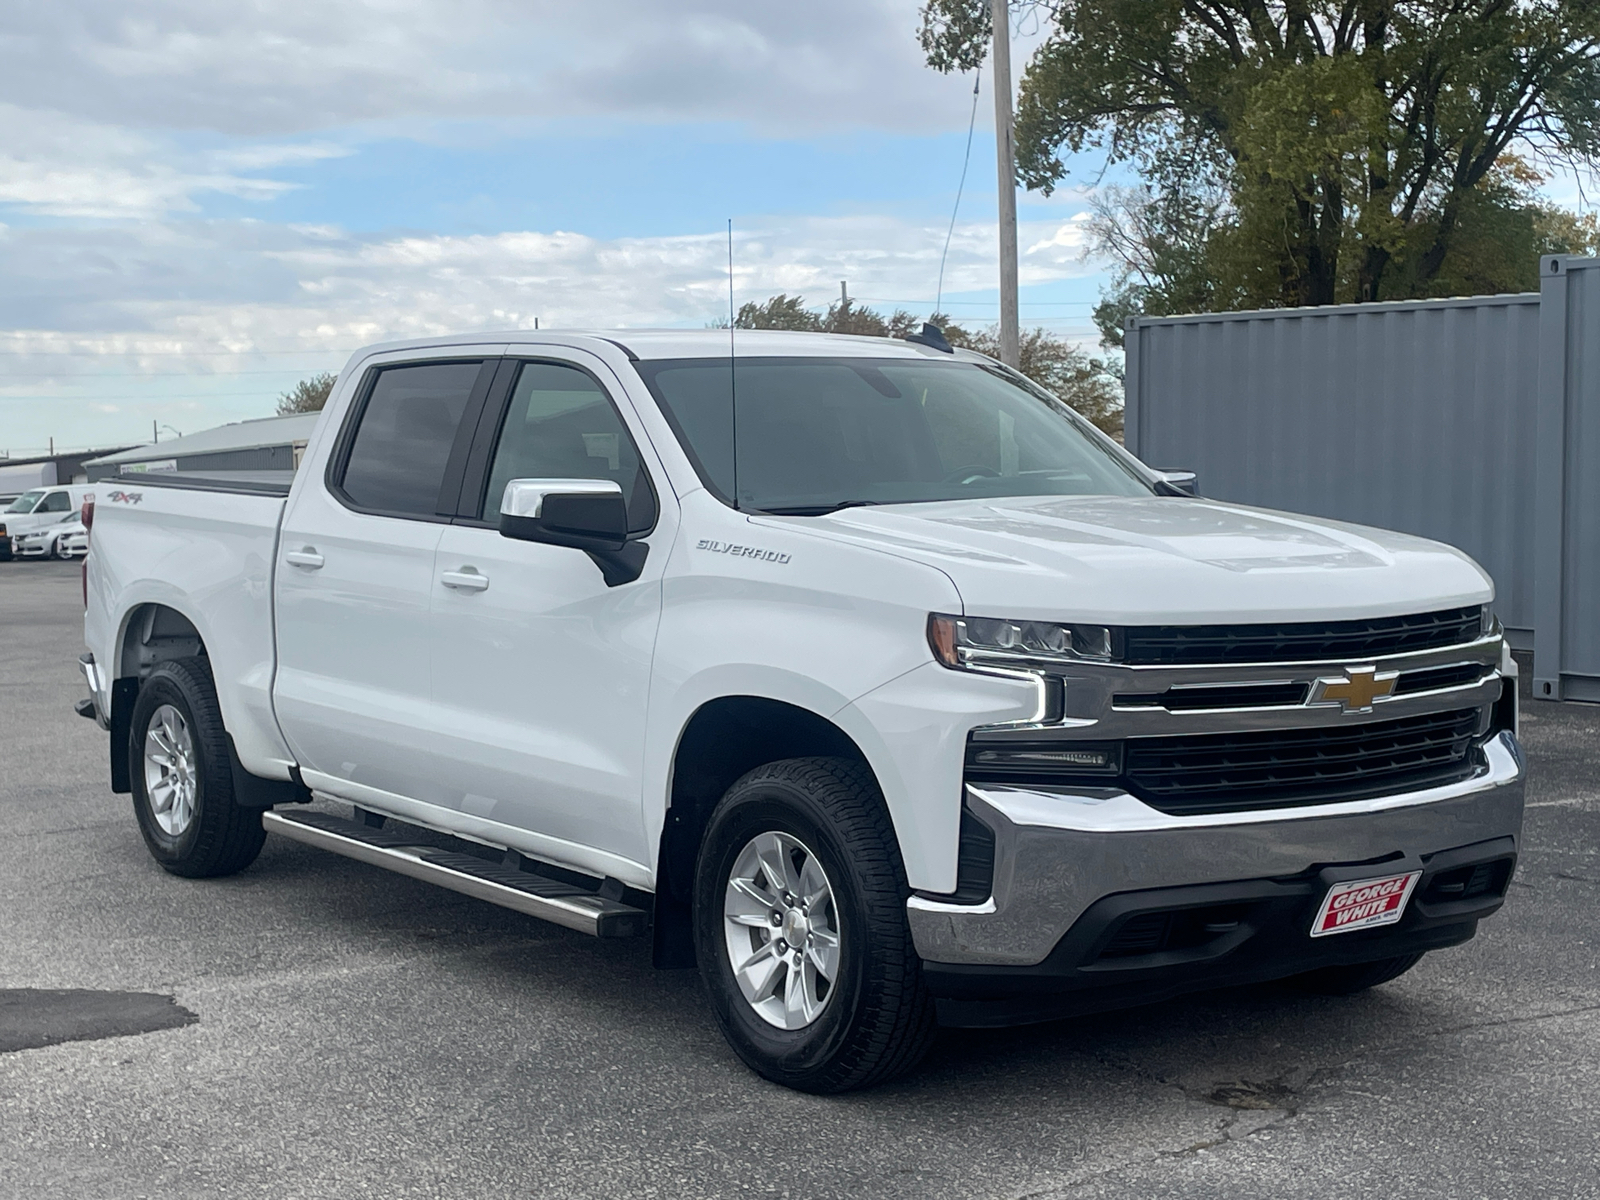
1006,154
155,433
844,294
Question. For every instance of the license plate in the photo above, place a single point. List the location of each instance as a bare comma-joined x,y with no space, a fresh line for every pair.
1364,904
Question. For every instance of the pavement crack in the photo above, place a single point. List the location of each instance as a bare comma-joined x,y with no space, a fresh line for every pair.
1549,1016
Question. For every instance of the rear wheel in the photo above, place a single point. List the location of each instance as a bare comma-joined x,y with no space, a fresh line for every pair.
182,781
1355,977
800,929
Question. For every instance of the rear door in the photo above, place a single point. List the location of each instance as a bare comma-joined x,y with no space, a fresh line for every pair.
355,575
541,671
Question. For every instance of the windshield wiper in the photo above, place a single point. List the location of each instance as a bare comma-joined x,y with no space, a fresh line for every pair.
816,510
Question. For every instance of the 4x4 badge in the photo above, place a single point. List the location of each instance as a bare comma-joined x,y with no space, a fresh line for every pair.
1356,690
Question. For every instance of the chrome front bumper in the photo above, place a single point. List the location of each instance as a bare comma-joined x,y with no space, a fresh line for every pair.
1056,853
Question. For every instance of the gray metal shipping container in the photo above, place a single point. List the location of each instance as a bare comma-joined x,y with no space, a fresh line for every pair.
1566,662
1430,417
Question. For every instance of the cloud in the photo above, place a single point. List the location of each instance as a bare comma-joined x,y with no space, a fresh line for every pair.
266,70
60,166
242,287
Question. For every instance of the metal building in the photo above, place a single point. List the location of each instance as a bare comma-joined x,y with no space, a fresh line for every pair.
18,475
269,447
1473,421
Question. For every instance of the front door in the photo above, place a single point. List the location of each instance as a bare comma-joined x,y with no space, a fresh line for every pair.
355,578
540,671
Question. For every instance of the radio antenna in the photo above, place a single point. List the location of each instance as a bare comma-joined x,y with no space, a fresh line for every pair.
733,388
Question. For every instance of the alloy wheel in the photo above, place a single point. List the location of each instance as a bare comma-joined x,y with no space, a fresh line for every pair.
781,930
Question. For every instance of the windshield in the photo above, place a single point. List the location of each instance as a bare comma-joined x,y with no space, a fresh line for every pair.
25,502
815,434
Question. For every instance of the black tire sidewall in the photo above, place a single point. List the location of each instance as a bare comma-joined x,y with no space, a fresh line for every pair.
768,806
167,687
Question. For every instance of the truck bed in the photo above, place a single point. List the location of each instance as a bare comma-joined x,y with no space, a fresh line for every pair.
204,546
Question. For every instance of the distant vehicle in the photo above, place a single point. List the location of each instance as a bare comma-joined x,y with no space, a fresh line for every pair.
67,538
38,508
74,540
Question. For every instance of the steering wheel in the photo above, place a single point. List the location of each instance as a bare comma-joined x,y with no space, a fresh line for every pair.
971,472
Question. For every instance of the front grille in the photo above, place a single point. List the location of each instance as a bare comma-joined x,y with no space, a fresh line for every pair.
1212,773
1222,695
1434,678
1315,641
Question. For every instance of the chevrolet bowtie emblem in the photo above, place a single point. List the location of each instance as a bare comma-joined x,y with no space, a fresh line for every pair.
1356,690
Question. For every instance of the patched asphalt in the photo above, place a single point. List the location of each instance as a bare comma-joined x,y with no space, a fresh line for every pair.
333,1030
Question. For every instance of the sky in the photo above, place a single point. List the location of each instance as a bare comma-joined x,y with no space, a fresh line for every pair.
202,203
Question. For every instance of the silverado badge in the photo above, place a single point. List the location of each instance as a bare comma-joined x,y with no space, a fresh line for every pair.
1356,689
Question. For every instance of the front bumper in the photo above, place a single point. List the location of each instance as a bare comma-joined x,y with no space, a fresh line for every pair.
1058,855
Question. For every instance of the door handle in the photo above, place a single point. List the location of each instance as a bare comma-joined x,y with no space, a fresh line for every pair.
306,557
467,579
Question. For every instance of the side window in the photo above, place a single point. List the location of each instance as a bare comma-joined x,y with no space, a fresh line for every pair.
56,502
559,424
397,461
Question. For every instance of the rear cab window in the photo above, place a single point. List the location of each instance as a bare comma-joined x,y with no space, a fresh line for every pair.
403,450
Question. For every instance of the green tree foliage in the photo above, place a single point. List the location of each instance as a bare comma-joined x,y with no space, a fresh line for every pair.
1087,384
1307,151
309,395
843,316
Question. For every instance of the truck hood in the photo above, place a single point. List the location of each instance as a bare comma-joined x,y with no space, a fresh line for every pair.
1164,560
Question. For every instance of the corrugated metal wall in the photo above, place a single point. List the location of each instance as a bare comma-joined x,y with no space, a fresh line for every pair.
1567,647
1418,416
1473,421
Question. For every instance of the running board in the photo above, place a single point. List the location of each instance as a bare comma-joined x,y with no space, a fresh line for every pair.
509,887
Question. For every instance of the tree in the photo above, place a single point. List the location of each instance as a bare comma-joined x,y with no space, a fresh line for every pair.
1089,386
843,316
1361,149
309,395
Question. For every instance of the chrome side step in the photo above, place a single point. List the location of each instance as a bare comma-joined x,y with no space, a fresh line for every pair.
538,896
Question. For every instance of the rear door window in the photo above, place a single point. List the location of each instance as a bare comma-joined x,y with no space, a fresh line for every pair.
401,454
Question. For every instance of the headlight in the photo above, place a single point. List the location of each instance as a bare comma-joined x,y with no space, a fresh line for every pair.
969,641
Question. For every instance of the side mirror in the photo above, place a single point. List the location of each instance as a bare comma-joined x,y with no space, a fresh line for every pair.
1177,483
586,514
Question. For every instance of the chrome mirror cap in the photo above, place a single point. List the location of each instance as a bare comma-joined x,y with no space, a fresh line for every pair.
525,497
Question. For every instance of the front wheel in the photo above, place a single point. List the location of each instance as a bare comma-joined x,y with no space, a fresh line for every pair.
182,779
800,929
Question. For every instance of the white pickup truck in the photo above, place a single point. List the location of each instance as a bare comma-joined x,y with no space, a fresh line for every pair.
862,674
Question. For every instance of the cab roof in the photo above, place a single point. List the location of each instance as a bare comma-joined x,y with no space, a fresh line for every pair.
648,344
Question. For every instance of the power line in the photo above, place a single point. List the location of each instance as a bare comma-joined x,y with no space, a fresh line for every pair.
966,160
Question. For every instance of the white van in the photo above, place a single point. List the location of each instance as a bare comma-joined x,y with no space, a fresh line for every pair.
38,507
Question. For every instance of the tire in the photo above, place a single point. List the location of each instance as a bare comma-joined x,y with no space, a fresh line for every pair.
55,550
874,1019
192,825
1349,979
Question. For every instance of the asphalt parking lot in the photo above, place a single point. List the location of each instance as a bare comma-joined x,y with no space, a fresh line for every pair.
334,1030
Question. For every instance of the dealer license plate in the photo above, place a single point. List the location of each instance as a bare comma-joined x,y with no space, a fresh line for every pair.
1364,904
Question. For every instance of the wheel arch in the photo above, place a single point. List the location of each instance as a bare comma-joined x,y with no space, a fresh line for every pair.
149,634
724,738
152,633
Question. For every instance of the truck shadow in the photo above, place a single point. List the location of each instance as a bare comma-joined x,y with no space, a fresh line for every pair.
1242,1048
